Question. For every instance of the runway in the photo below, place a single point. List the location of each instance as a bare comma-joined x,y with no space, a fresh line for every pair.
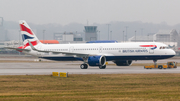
43,68
25,65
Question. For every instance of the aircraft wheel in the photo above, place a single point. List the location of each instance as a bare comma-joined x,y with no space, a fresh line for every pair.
86,66
102,67
160,67
83,66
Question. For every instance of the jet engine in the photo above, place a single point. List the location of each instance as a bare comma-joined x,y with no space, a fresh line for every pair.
123,62
97,61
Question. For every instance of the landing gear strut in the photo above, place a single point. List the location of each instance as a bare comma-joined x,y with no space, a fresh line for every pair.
155,62
84,66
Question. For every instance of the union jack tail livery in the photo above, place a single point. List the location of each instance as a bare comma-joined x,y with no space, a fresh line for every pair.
27,34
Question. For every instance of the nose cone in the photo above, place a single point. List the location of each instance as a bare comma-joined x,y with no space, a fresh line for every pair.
172,52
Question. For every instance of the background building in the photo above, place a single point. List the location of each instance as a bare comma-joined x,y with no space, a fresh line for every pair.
67,37
90,33
148,38
168,37
3,32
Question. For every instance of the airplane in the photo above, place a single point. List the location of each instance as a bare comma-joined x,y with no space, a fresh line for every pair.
92,54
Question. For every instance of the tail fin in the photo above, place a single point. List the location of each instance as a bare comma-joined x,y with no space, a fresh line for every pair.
27,34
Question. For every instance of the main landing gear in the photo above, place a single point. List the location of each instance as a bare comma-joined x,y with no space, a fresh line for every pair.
84,66
102,67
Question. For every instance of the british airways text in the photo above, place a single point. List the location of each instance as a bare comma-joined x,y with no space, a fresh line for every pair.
135,51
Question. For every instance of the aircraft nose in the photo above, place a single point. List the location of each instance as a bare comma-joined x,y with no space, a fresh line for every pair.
172,52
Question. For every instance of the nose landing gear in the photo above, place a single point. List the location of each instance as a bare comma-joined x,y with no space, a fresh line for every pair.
155,62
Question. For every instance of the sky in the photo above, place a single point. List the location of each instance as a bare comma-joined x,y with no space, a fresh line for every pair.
65,12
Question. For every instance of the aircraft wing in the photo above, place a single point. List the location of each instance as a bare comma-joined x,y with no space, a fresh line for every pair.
17,49
57,52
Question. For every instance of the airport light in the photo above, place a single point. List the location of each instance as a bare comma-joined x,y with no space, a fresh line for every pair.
2,21
135,35
142,32
43,35
123,36
19,40
64,36
126,33
99,35
19,36
76,32
108,30
110,35
174,44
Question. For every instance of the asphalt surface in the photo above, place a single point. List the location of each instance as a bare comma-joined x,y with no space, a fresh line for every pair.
46,68
12,65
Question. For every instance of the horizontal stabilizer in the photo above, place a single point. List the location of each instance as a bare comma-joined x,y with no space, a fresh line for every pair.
18,49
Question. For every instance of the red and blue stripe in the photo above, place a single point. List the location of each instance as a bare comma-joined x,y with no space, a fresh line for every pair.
153,46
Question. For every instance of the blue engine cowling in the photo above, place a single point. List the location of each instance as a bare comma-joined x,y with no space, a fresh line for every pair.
97,60
123,62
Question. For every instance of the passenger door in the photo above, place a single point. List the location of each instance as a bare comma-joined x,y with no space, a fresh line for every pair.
71,49
151,51
100,49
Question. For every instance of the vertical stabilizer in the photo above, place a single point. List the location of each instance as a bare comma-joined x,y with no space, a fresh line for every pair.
28,34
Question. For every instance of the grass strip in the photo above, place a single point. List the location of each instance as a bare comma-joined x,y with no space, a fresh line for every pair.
91,87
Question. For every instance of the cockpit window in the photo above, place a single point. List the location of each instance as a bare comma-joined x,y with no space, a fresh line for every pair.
164,47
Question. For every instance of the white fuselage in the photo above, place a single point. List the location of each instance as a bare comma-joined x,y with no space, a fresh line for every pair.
112,51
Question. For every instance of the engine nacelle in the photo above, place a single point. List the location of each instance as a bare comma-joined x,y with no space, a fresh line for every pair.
97,60
123,62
